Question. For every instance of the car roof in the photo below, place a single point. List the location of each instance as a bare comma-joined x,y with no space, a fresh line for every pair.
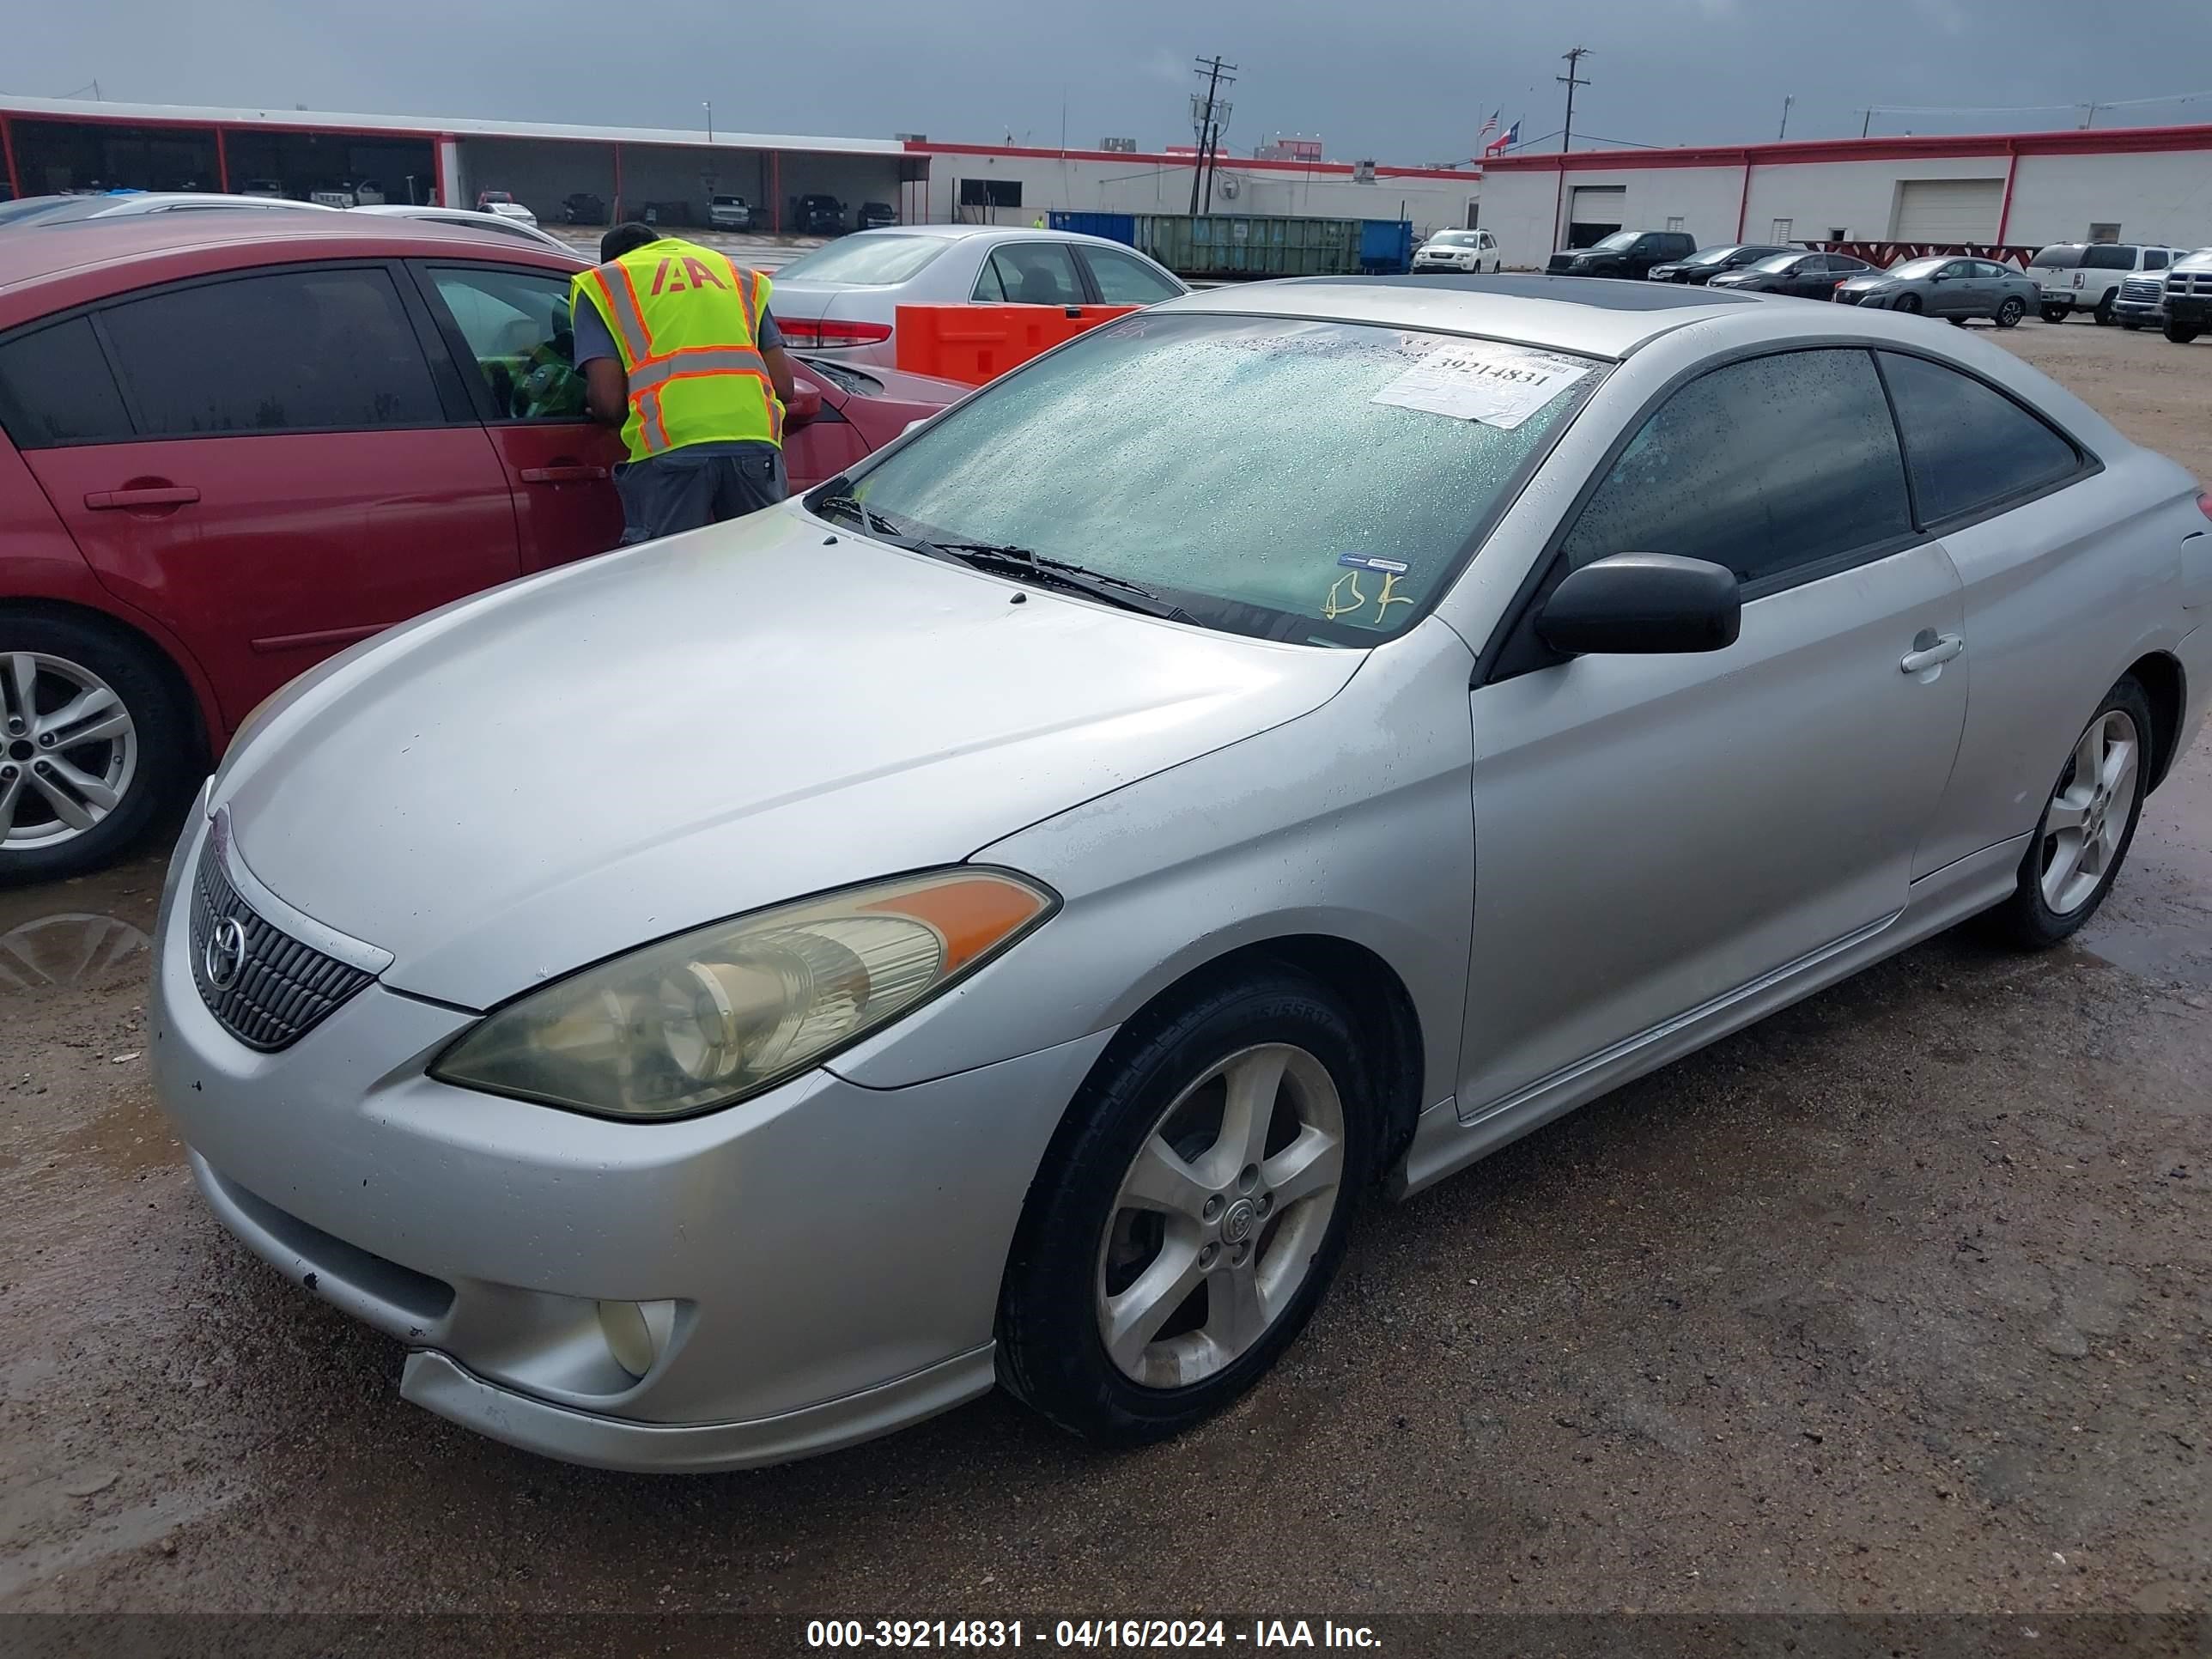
996,233
1594,316
45,269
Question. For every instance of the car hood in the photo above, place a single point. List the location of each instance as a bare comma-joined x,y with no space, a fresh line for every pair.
554,772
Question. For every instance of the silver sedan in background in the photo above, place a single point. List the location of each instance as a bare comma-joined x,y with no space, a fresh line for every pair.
842,300
1943,286
994,919
491,224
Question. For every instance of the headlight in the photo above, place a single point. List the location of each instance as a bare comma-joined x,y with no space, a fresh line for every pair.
705,1019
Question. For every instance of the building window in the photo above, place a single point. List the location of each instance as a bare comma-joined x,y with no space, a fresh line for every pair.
1674,222
990,192
2104,233
1782,230
1839,232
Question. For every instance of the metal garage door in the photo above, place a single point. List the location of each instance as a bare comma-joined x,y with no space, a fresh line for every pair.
1948,210
1595,212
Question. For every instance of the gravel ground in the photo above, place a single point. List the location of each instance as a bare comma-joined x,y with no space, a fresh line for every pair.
1899,1301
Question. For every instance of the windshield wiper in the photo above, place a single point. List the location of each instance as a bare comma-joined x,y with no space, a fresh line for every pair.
1008,560
870,520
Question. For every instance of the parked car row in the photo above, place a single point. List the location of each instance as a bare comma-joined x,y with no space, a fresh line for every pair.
234,444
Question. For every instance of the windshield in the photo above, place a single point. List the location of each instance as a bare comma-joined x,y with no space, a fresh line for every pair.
1776,262
1455,239
864,259
1313,482
1711,256
1913,270
1616,242
2058,258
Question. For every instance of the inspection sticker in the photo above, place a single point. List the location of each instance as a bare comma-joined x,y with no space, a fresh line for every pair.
1500,385
1362,562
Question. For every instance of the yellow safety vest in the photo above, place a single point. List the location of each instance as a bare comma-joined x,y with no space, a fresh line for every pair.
686,320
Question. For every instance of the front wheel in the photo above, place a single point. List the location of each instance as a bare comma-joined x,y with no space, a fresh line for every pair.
91,738
1908,303
2010,313
2087,825
2103,313
1191,1211
2133,325
2057,313
2181,333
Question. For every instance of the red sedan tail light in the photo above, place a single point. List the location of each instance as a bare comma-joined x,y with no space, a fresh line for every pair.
819,332
2204,503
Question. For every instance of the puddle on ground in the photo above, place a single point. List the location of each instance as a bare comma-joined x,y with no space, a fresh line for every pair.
2157,922
71,950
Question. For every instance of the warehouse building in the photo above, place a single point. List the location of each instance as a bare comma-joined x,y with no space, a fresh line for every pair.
2017,192
54,144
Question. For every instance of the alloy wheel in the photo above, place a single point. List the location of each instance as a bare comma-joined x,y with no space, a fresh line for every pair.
2087,818
1219,1216
69,749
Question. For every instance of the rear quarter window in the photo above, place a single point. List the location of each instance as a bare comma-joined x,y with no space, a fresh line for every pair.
56,389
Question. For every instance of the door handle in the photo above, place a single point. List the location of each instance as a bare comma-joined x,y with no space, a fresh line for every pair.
562,472
1931,650
141,495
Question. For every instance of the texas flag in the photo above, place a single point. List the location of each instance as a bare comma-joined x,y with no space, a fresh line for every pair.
1505,140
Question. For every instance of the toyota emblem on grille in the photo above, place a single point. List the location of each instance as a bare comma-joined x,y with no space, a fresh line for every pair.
224,954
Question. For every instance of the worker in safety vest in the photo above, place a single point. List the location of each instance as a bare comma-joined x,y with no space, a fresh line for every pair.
1037,223
678,348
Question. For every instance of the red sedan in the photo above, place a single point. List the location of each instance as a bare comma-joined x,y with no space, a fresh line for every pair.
230,447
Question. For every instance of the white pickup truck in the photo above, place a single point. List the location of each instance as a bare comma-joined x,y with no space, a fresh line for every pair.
2087,275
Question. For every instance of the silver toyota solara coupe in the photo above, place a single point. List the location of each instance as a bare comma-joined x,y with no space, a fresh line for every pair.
993,919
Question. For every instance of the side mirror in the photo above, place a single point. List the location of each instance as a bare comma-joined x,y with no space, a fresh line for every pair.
1644,604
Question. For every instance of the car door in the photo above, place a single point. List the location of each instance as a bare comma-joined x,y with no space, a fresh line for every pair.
296,478
1657,835
1124,279
1974,290
2046,589
508,326
1040,273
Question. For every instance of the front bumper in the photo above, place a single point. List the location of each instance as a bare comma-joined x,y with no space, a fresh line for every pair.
817,1265
2192,310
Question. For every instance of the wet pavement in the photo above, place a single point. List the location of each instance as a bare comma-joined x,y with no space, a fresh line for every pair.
1900,1300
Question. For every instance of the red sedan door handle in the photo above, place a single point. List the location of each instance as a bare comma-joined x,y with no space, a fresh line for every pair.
137,496
562,472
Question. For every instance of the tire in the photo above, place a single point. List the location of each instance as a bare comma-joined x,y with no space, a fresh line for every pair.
2103,314
2009,313
1908,303
2057,313
2133,325
2181,333
1080,1250
2061,881
49,663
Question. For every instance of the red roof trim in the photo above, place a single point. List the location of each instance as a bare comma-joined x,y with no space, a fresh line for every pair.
2094,141
1241,163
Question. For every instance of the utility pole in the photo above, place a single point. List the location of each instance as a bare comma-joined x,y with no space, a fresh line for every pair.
1786,101
1201,112
1574,59
1865,126
707,104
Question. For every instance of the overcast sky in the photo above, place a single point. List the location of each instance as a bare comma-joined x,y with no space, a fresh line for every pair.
1402,81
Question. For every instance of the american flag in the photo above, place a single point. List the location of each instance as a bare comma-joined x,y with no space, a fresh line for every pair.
1489,126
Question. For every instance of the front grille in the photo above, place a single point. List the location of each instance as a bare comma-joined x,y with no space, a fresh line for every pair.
2141,290
2191,283
1846,296
283,989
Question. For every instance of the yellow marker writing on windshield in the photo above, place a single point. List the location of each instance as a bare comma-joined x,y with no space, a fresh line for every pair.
1389,596
1336,605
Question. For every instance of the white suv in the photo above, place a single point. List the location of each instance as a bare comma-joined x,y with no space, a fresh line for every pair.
1457,250
2087,275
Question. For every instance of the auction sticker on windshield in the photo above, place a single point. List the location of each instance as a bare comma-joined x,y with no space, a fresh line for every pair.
1500,385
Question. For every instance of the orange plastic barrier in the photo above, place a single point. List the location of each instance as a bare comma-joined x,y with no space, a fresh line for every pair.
973,344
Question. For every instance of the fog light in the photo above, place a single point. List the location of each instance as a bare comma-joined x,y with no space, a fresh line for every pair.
629,1339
